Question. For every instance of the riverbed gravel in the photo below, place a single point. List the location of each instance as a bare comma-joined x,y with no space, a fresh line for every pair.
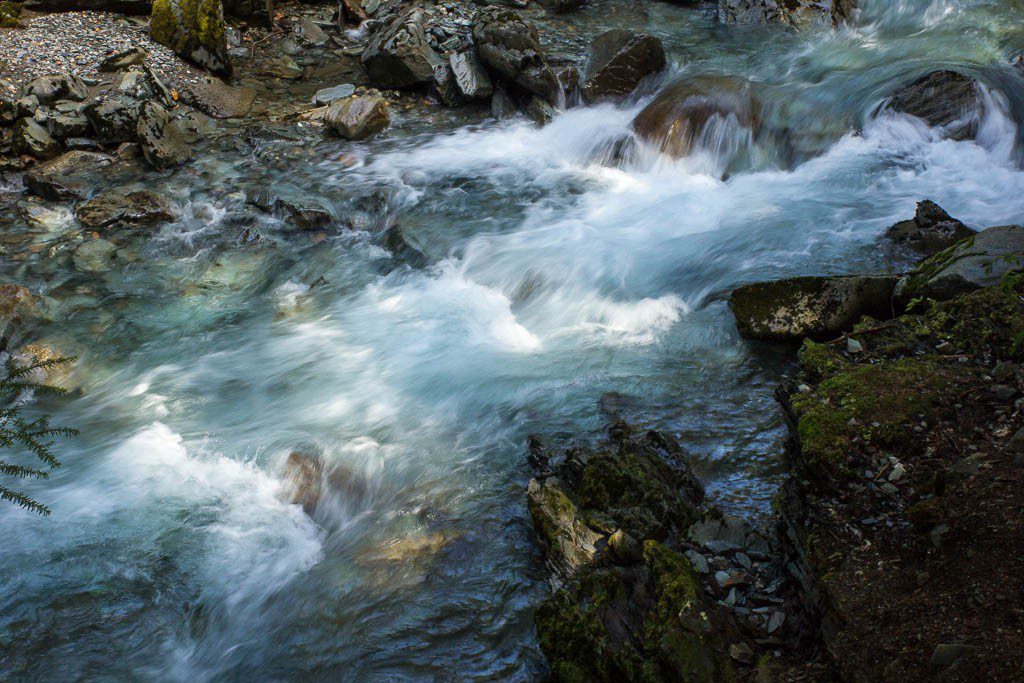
76,42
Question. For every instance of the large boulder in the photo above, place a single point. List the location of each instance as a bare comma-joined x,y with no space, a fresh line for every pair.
49,89
791,12
930,230
357,118
470,75
125,208
794,308
32,139
509,44
161,138
629,606
679,114
619,60
195,30
978,261
114,118
943,99
399,56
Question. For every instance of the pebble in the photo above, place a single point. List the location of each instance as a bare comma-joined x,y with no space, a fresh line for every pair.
854,346
699,562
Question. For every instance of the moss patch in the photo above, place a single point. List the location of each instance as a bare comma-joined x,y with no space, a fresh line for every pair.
874,404
645,624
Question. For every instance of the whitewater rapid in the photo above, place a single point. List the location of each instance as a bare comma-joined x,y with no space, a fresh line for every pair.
554,278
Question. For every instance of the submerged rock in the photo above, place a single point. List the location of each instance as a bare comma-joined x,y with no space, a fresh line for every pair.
509,44
195,30
930,231
795,308
619,60
16,304
357,118
981,260
95,256
399,56
677,117
942,99
132,208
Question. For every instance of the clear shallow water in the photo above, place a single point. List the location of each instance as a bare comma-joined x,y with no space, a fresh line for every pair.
171,555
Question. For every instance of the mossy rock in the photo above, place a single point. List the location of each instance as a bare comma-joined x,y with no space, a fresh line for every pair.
640,492
877,404
9,13
195,30
644,623
987,324
974,263
818,307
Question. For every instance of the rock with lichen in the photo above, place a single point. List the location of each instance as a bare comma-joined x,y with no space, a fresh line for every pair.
979,261
195,30
794,308
629,606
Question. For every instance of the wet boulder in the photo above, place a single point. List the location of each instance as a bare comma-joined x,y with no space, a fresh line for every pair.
647,621
123,208
470,75
790,12
399,56
570,544
195,30
49,89
794,308
619,60
930,230
16,305
677,117
28,137
74,162
981,260
13,108
115,118
357,118
307,481
943,99
67,125
509,45
161,138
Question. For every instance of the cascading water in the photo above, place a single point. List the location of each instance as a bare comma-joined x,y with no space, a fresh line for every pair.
555,279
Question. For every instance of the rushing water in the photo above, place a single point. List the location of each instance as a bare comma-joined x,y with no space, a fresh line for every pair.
554,279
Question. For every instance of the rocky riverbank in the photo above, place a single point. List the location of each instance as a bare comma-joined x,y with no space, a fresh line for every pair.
897,543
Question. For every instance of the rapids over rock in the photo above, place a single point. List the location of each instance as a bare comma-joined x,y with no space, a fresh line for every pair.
535,279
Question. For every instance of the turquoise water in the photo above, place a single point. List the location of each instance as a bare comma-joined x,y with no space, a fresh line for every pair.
206,359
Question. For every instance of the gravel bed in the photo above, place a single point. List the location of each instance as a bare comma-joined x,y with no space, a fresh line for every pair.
77,42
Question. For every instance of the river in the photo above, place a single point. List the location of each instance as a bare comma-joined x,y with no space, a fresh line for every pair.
553,279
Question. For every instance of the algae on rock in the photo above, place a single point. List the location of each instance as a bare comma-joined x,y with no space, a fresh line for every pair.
195,30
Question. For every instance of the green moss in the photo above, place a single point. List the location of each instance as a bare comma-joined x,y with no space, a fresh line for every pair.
9,13
877,404
190,27
640,493
643,624
819,361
